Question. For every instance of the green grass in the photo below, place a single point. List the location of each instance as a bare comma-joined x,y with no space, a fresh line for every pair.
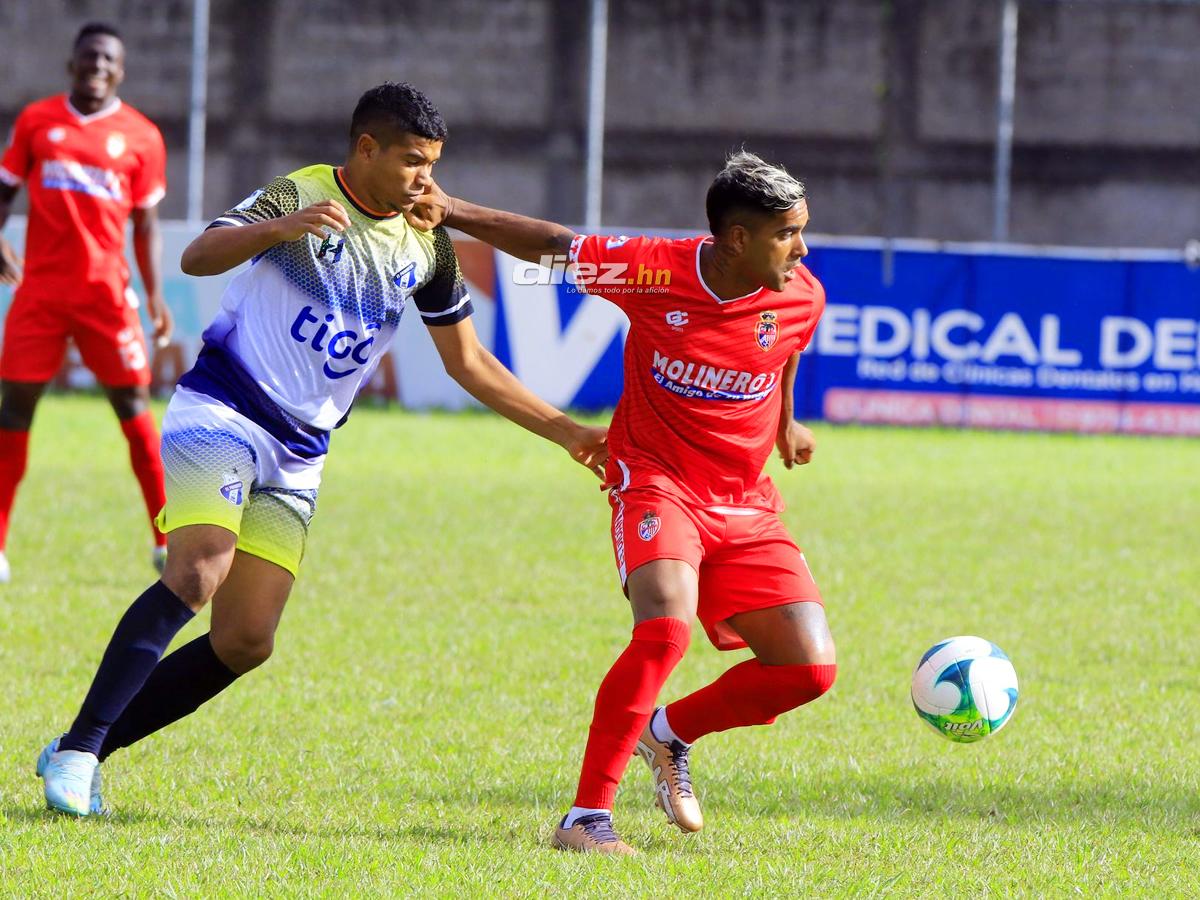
419,728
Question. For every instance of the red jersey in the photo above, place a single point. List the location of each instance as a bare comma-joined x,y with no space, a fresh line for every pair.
700,409
85,174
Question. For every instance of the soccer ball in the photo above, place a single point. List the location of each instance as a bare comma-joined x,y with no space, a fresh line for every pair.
965,688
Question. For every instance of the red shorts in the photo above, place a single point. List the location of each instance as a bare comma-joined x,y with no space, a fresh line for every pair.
745,557
103,323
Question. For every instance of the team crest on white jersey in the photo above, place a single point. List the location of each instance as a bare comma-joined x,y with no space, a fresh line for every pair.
115,145
648,527
767,330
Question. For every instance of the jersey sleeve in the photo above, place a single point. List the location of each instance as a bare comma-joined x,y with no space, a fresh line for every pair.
18,155
606,265
818,308
443,299
280,197
150,179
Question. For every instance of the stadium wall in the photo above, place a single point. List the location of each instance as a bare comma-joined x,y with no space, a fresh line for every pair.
885,108
1055,339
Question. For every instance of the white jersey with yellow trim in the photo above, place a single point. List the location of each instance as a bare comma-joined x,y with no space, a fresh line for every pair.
309,320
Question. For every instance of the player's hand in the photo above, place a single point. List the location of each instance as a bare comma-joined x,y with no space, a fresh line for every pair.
588,446
318,220
796,444
161,319
11,265
431,210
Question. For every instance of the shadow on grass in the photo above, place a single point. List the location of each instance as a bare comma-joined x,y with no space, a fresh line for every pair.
886,798
1053,799
276,826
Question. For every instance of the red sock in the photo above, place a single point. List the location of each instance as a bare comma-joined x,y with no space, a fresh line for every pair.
624,704
142,435
14,451
748,694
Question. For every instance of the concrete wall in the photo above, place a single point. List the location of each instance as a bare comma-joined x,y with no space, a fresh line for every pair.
884,108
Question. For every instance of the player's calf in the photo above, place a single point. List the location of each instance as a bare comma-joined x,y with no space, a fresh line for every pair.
748,694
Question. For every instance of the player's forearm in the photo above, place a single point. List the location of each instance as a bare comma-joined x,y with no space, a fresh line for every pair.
485,379
147,249
787,385
7,194
220,249
519,236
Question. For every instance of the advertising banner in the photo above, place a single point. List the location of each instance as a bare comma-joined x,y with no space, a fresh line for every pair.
1027,338
914,333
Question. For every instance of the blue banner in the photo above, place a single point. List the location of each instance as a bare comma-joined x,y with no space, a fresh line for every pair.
1072,342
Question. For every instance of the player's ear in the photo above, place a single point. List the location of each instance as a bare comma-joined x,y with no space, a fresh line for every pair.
738,237
366,146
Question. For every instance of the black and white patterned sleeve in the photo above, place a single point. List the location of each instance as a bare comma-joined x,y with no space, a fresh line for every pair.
280,197
443,300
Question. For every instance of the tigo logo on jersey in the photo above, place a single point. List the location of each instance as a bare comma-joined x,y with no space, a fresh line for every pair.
342,345
767,330
648,527
233,492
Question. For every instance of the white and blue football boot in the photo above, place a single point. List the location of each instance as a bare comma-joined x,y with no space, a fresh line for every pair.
72,781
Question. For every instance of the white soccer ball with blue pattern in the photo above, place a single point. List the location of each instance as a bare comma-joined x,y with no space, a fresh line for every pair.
965,688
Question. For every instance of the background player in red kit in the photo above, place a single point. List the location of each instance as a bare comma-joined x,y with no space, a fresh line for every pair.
90,163
716,328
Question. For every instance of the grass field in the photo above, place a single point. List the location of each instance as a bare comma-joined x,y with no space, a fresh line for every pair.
419,728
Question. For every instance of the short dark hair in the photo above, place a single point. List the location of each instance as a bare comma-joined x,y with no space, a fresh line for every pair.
96,28
391,109
747,184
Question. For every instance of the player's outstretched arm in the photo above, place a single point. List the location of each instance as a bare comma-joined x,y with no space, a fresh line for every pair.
220,249
519,236
10,262
470,364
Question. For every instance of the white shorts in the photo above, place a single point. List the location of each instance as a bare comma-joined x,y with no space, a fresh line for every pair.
223,469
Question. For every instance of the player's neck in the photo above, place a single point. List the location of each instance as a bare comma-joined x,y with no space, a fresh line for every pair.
353,178
89,106
718,273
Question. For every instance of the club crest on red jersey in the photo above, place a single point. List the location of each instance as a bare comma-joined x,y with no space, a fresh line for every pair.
766,332
648,527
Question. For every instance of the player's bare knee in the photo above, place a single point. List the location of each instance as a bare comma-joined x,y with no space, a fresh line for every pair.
128,403
193,579
18,402
658,591
243,649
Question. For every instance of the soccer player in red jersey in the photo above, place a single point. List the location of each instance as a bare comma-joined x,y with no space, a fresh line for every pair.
716,328
90,163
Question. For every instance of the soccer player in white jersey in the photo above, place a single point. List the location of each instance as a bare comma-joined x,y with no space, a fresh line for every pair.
334,263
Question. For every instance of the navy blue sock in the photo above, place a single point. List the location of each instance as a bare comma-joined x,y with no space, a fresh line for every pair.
140,639
177,687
